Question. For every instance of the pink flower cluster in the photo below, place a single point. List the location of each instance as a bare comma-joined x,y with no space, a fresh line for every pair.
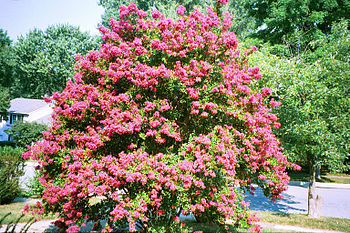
164,119
224,2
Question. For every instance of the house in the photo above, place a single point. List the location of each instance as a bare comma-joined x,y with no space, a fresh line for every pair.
22,109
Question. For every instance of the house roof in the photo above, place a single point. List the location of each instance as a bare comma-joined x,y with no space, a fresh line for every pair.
44,120
26,106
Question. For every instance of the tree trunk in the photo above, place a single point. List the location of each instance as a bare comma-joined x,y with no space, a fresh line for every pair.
314,202
318,171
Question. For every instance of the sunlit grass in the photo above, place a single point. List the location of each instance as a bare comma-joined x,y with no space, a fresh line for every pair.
326,223
325,178
16,211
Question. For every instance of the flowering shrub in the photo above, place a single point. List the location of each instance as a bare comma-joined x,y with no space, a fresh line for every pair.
166,119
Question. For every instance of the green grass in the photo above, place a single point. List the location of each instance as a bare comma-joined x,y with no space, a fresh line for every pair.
336,178
325,178
271,218
15,209
326,223
338,174
207,228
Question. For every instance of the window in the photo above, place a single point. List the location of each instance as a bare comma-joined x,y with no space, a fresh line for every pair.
19,117
15,117
11,119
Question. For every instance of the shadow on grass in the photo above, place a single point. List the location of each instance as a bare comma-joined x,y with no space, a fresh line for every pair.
282,214
211,228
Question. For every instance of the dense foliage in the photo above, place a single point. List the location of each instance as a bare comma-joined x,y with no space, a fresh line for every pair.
166,118
11,169
4,103
44,60
5,73
313,89
23,134
297,21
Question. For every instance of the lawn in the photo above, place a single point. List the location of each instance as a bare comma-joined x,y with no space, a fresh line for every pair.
325,178
326,223
16,211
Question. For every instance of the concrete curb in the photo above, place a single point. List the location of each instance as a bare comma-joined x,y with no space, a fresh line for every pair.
320,185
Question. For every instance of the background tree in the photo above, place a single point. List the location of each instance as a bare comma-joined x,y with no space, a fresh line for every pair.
244,25
297,21
5,73
4,103
44,61
314,91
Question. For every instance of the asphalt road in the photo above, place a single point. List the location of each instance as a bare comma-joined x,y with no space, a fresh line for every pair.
336,202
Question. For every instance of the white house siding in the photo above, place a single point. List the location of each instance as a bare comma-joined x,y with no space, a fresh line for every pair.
40,115
3,127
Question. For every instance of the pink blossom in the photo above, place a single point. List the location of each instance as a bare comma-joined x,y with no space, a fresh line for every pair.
224,2
204,114
266,91
146,119
180,10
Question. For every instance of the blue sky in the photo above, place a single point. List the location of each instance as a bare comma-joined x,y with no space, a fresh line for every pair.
18,17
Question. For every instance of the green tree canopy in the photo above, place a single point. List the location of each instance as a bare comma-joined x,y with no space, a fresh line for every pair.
4,103
5,65
293,20
314,91
5,73
44,60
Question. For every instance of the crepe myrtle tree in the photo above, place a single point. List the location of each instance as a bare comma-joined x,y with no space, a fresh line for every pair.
165,119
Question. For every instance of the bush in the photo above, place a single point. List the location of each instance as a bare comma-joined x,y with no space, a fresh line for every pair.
11,169
25,133
7,143
166,119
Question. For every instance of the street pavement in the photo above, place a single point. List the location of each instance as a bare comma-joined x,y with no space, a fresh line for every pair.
336,200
